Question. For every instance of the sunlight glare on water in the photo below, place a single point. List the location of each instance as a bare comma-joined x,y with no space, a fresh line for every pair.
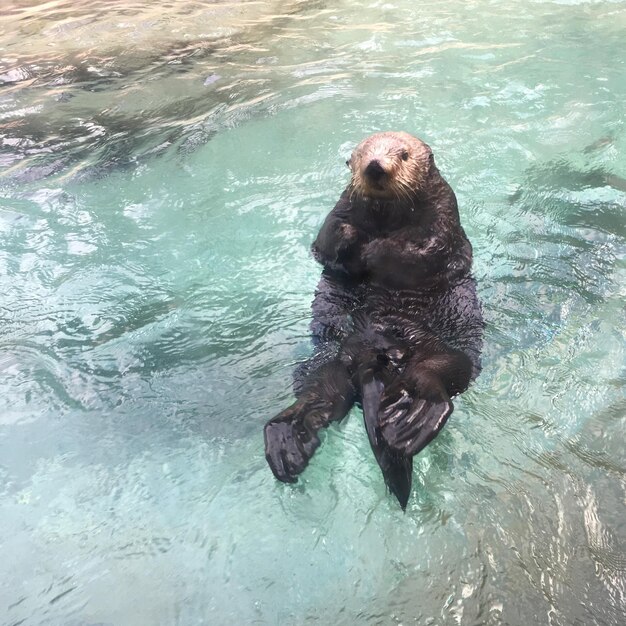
165,168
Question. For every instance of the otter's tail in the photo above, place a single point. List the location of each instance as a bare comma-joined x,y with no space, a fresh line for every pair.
397,468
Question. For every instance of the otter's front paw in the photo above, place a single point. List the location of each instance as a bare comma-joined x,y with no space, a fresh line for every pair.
289,444
348,233
373,252
381,264
348,241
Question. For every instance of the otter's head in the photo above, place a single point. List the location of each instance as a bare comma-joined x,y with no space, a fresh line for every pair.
390,166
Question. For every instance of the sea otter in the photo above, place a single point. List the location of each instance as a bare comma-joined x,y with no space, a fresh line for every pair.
396,320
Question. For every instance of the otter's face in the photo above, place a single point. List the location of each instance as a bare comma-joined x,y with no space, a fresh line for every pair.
390,166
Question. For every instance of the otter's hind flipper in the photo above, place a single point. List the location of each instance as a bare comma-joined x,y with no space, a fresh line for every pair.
397,468
289,444
417,405
409,424
325,396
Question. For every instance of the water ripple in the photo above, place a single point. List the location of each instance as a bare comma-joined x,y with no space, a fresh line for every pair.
163,173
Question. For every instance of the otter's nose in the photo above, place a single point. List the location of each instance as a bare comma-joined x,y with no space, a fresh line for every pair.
374,170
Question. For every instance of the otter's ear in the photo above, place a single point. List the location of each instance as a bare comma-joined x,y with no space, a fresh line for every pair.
349,163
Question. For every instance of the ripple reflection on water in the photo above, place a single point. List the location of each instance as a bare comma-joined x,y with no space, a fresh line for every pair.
164,173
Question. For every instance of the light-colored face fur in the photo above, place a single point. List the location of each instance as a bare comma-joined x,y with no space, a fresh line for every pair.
398,166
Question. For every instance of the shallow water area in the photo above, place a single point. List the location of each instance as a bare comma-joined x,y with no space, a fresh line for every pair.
164,171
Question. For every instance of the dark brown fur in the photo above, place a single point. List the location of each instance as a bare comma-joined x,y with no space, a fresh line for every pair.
396,316
402,231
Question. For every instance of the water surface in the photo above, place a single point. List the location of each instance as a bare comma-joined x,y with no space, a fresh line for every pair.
164,171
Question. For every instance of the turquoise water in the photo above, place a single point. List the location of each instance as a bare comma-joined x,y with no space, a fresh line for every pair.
164,172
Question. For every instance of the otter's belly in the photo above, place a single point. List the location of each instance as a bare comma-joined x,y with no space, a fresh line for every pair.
452,315
342,309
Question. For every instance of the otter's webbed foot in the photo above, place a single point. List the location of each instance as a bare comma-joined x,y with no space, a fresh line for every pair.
397,468
412,415
289,444
326,395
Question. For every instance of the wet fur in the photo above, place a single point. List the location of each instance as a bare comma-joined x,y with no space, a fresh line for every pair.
396,319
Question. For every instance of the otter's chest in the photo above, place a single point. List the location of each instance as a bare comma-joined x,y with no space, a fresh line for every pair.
380,219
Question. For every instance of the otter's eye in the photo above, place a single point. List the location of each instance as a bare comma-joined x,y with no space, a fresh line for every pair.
405,156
